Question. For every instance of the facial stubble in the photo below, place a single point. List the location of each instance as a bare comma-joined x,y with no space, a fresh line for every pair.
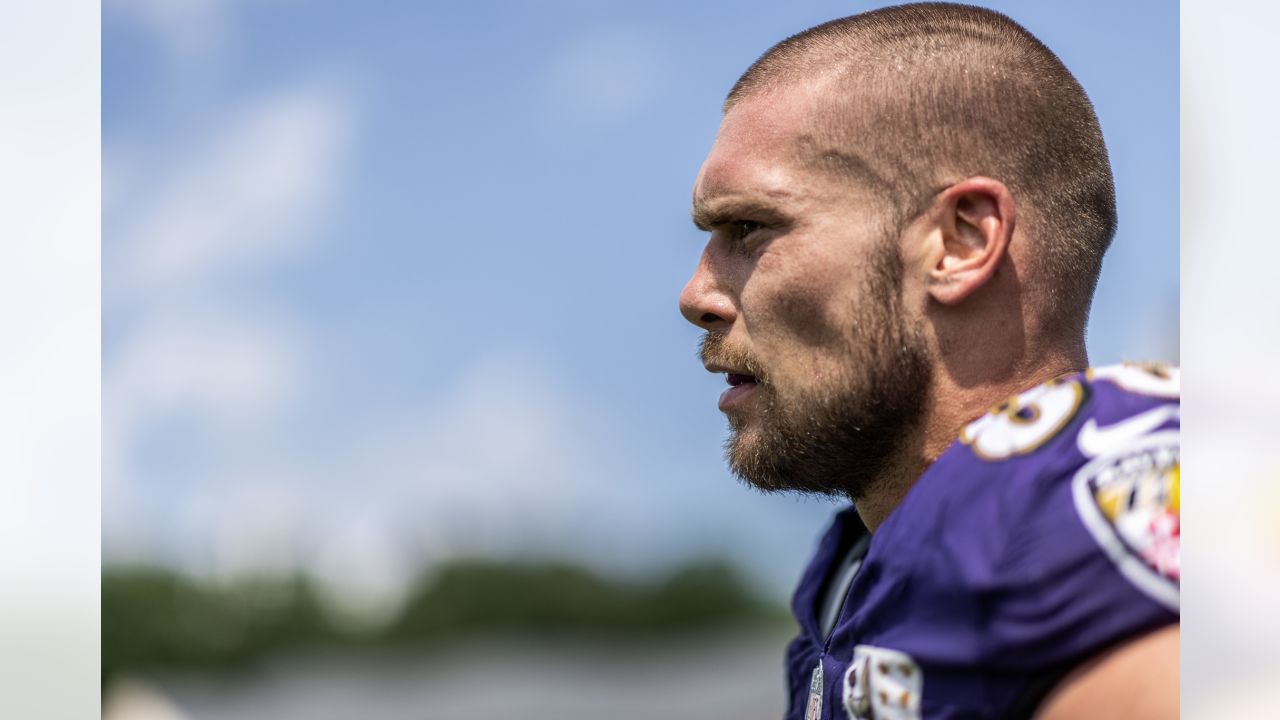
847,436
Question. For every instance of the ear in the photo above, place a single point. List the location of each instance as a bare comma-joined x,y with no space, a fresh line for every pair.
971,224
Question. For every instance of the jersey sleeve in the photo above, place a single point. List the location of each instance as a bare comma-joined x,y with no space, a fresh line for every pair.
1093,557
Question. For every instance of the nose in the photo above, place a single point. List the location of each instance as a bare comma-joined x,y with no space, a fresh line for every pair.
704,302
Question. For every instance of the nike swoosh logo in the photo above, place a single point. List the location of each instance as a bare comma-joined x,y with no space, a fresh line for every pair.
1095,441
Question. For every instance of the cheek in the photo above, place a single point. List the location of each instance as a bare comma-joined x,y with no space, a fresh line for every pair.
795,305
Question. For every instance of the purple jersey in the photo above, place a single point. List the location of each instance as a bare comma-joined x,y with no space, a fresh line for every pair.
1047,533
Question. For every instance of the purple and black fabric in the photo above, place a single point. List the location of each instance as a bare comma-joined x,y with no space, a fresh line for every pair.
1039,539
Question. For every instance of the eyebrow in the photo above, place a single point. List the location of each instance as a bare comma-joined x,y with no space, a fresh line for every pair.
708,215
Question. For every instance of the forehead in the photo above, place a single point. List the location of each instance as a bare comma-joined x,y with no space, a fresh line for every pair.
754,147
763,149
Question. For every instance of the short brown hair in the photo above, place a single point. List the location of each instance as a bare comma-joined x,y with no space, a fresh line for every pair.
948,91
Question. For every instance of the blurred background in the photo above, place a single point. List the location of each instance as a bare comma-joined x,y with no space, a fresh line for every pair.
400,419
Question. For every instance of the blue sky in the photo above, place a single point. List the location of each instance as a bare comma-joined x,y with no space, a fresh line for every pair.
386,287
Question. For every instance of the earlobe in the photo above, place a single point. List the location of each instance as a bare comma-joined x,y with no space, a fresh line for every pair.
974,221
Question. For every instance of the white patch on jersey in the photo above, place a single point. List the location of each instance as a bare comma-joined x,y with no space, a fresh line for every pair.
882,684
1021,424
1129,501
1096,441
1156,379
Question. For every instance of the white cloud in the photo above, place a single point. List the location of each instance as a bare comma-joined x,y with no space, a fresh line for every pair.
608,73
227,374
187,30
494,468
214,363
495,464
363,572
249,186
252,186
513,463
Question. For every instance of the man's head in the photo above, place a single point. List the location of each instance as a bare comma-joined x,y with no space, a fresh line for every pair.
901,201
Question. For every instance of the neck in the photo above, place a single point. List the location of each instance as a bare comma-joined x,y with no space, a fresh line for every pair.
952,405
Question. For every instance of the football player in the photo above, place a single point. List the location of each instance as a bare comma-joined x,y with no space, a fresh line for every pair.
908,211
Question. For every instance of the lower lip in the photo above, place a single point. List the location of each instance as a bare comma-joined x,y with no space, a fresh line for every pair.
736,395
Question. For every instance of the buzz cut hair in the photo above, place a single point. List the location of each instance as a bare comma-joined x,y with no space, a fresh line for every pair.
920,96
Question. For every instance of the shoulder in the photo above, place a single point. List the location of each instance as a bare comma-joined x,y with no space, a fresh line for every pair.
1047,534
1074,425
1037,426
1083,467
1030,464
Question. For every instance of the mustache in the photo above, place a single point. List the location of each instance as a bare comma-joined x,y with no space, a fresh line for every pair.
714,349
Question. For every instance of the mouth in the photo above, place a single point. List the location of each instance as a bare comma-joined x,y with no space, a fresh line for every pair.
741,386
738,367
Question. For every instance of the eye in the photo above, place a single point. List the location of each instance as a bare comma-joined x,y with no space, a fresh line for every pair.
743,228
744,236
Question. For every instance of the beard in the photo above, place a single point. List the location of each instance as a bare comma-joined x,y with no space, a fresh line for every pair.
848,435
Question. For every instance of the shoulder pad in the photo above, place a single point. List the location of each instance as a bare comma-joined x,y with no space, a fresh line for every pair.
1028,421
